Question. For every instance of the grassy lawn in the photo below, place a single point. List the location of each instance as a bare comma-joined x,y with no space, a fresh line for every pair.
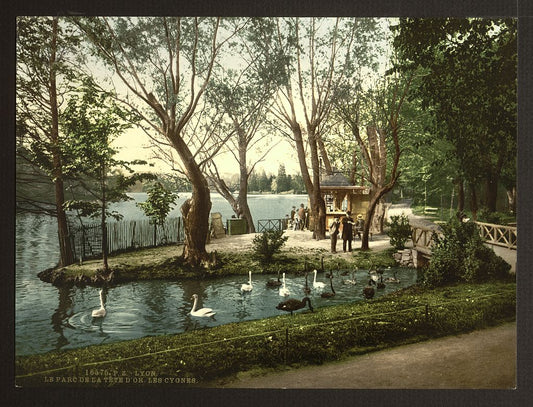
165,263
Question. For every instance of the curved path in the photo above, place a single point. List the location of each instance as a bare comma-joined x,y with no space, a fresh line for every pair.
483,359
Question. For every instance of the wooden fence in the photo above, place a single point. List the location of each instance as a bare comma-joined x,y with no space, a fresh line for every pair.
498,235
124,235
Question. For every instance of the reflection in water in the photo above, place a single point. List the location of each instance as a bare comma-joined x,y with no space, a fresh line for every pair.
162,307
61,315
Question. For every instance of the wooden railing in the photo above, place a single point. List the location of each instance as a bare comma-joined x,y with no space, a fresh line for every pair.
423,238
498,235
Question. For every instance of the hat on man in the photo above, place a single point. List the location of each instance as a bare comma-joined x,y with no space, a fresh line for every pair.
359,216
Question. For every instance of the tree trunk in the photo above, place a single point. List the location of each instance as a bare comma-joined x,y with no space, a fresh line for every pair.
243,183
473,201
195,210
370,214
511,199
460,195
65,248
491,193
316,202
318,205
103,219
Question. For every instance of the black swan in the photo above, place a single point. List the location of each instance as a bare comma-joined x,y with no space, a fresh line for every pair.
332,293
293,304
369,291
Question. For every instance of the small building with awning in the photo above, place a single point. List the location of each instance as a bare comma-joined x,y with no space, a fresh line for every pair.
340,196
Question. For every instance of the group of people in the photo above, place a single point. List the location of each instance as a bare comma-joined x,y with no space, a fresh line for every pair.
347,233
299,219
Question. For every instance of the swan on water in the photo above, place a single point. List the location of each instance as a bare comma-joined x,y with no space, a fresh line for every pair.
317,284
351,281
329,294
100,312
392,279
248,286
274,283
307,290
284,291
369,291
293,304
381,284
202,312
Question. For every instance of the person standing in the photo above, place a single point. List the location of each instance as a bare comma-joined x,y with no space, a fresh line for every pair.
359,225
347,231
333,233
301,216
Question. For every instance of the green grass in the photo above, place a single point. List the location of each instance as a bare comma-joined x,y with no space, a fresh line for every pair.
329,333
164,263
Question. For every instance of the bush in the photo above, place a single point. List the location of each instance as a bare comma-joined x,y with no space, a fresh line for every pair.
460,255
497,218
399,232
267,244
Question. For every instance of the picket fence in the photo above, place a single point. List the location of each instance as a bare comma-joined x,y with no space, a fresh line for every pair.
125,235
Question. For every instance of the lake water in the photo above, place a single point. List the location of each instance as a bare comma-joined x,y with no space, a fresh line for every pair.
50,318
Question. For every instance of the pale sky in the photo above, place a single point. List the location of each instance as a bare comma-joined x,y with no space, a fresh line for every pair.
134,144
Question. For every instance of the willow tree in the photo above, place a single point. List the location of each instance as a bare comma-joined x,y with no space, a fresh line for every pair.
244,93
165,65
43,71
324,56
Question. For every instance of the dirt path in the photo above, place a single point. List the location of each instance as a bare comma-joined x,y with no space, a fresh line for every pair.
484,359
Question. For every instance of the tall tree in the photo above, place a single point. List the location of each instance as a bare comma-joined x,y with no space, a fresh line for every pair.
91,122
326,55
244,91
383,134
43,69
471,86
166,65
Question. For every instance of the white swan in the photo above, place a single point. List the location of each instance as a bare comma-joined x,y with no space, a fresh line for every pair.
202,312
100,312
317,284
392,279
353,281
284,291
248,286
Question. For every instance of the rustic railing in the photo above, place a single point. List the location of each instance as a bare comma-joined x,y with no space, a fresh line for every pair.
423,238
498,235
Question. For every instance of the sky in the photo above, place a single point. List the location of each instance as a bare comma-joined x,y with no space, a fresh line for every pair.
134,144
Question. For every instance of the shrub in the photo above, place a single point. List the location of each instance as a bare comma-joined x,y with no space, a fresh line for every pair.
400,231
498,218
267,244
460,255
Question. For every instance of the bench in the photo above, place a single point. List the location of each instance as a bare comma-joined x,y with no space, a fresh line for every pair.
428,210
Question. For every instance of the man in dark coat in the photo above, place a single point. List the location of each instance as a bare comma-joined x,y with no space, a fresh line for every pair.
347,231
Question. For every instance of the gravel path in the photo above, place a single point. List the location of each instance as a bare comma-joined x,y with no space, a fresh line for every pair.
483,359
